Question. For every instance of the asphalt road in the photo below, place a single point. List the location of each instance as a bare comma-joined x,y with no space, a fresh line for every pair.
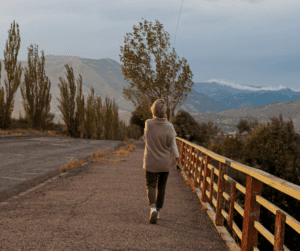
27,157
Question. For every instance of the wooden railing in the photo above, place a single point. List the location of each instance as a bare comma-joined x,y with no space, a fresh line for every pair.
201,173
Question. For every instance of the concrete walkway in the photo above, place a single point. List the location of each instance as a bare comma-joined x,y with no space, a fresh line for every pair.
103,206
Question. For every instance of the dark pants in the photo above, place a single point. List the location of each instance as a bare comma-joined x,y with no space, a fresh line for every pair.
154,180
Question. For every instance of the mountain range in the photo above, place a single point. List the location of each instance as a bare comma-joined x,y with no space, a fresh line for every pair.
234,98
214,101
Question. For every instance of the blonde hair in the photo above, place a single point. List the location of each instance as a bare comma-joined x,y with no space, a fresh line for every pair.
159,108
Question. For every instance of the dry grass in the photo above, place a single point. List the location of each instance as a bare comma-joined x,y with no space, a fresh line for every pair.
128,149
72,164
20,132
98,156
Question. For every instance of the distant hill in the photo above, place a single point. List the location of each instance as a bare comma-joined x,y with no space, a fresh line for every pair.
197,102
227,120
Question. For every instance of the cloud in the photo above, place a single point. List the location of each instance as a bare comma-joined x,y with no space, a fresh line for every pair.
253,1
249,88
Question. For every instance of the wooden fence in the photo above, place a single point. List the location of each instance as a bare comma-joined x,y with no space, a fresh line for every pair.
196,165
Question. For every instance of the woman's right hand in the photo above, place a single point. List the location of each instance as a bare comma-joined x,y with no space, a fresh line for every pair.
177,160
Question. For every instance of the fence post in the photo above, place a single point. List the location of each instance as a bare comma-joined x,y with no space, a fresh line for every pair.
251,213
200,173
191,159
203,196
211,189
181,152
279,230
196,168
186,147
232,200
223,169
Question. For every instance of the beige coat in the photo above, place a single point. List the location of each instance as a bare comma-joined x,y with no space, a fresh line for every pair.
159,136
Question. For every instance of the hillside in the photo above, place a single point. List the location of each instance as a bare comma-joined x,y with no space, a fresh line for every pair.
289,110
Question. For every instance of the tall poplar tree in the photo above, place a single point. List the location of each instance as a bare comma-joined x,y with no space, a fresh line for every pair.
108,116
13,78
148,84
36,91
80,105
122,129
89,121
98,114
115,121
72,116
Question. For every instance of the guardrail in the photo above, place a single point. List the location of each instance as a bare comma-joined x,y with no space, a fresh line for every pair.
201,175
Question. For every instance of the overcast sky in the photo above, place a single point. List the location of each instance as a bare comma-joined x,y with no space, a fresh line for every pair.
236,42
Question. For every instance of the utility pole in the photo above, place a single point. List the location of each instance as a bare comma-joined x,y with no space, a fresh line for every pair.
171,102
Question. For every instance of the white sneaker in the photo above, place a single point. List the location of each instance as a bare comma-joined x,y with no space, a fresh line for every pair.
158,209
153,215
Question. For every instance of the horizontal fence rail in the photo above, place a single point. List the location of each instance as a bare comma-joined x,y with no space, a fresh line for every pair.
201,173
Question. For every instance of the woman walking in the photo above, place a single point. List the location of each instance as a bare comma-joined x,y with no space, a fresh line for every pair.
159,136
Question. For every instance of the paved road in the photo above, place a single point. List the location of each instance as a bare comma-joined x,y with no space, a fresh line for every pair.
26,157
